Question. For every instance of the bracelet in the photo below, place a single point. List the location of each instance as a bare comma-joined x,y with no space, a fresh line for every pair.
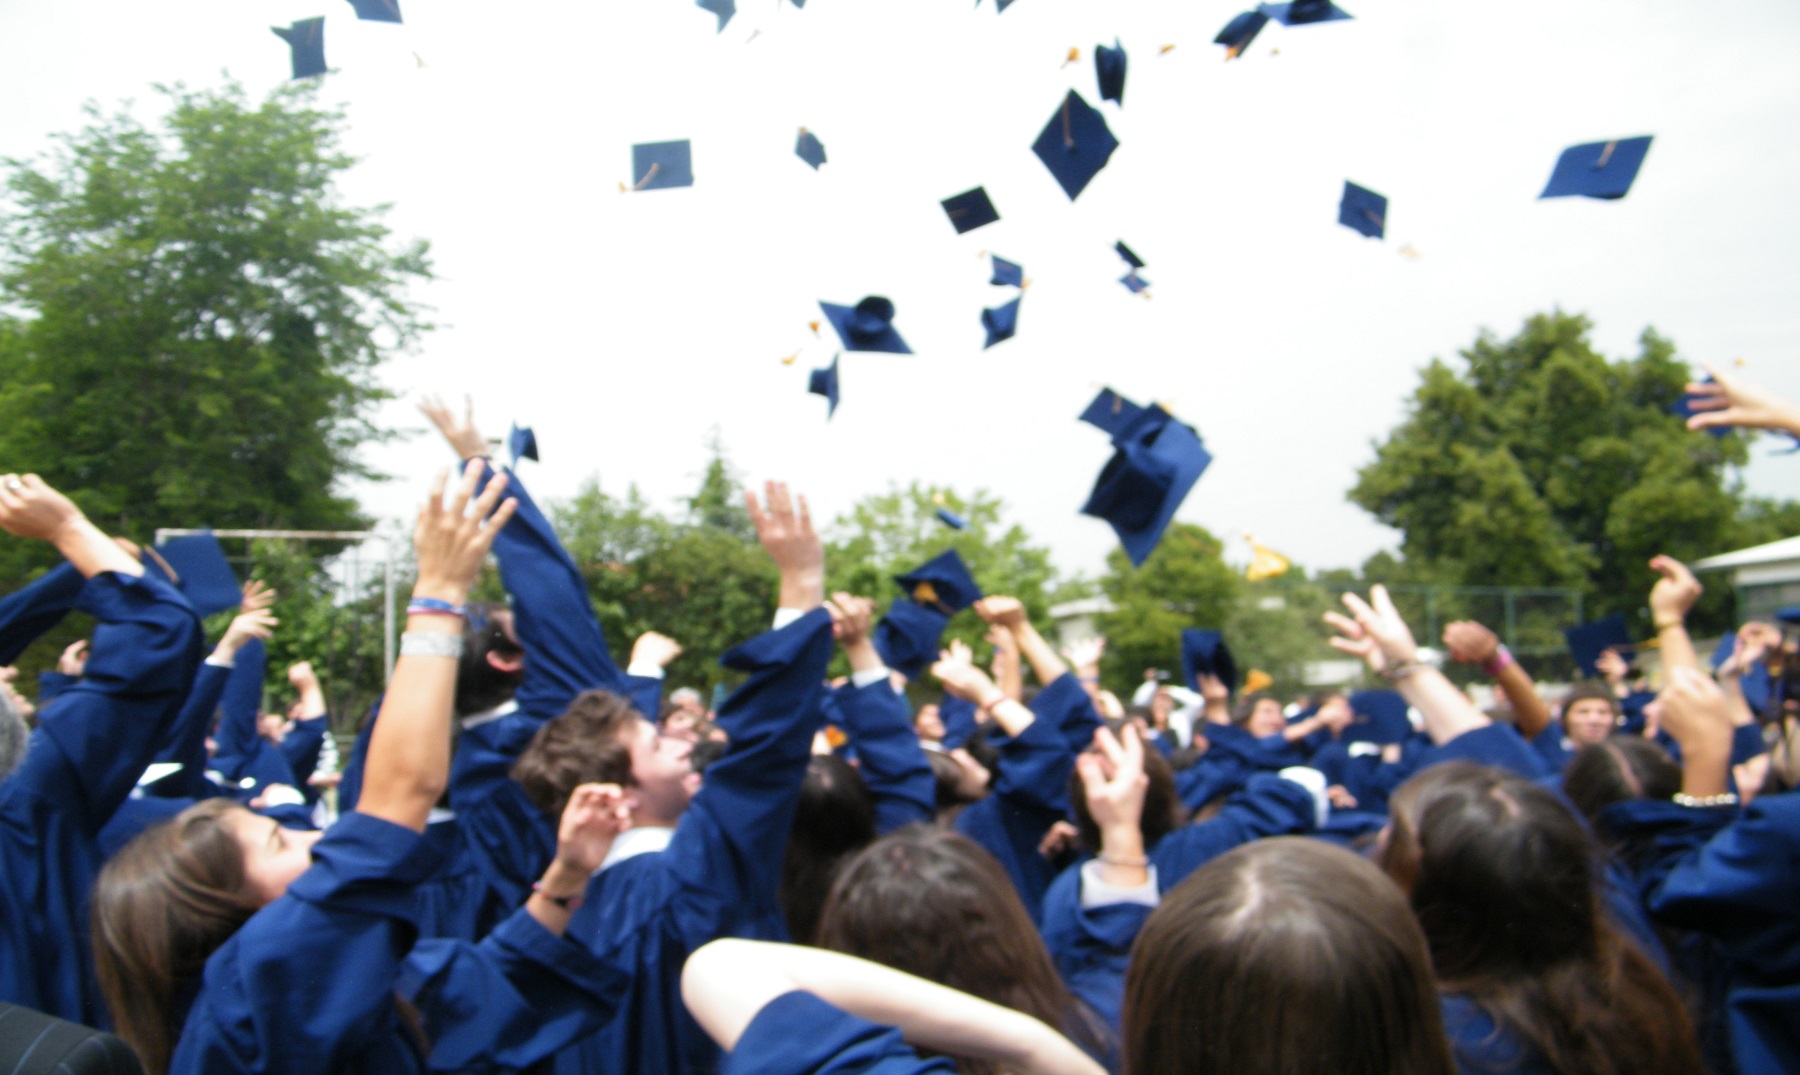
430,644
988,707
1667,624
1403,669
431,606
1499,662
1721,799
1115,860
567,903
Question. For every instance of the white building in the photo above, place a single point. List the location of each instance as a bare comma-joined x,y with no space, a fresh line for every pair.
1766,577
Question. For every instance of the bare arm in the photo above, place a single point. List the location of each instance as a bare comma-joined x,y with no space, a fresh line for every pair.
1381,638
1728,401
1471,643
30,508
961,678
1670,599
1009,613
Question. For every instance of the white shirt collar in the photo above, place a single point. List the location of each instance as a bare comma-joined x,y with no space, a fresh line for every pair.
476,720
634,842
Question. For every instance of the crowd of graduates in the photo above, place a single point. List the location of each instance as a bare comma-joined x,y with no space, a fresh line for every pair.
532,861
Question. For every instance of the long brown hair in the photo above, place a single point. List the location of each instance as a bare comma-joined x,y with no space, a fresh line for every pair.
1284,956
934,904
1504,882
162,906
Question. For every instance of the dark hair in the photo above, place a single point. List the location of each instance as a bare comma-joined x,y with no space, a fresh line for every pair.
1503,880
1240,713
1162,804
834,818
1286,955
162,906
1623,767
946,775
479,685
934,904
1591,692
585,745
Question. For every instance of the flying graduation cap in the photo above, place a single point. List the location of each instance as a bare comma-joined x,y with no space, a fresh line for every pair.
970,210
1007,273
1134,283
662,165
1362,210
521,443
1239,32
1001,322
377,10
1303,12
1075,144
1109,70
867,326
724,9
824,382
196,565
306,38
908,635
1204,652
942,582
1587,641
1156,461
809,149
1125,252
1598,169
947,517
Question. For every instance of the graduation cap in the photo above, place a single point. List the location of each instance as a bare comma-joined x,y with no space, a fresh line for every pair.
951,519
521,443
1204,651
1683,408
970,210
1240,31
1598,169
1588,640
1378,717
1156,461
1109,69
908,636
1362,210
1001,322
306,37
1110,412
724,9
199,570
661,165
1134,283
377,10
809,149
1302,12
1007,273
943,583
1125,252
867,326
824,382
1075,144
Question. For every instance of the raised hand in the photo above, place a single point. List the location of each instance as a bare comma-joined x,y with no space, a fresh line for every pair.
852,619
1084,656
1728,401
1377,634
656,649
1112,777
460,433
594,817
451,540
1007,612
245,626
785,529
300,675
30,508
73,661
1674,593
1470,642
963,679
257,595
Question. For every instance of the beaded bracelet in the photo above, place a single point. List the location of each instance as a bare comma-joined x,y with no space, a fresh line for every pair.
431,606
1722,799
567,903
1401,671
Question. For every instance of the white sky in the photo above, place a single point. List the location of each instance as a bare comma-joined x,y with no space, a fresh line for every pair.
623,327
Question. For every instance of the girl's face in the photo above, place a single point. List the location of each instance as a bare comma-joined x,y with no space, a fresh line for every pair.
1266,719
273,856
1588,721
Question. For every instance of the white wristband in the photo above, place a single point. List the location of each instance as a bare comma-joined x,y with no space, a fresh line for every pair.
431,644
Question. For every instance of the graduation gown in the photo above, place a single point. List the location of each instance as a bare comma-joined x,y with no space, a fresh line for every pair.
889,756
799,1034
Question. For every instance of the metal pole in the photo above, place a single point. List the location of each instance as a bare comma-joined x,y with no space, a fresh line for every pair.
1431,628
387,634
1512,620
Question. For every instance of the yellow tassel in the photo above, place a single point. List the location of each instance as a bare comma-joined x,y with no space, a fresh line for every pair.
1264,563
1257,680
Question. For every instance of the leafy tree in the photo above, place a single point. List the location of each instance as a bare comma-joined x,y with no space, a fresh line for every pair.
1184,583
199,317
1541,463
1278,627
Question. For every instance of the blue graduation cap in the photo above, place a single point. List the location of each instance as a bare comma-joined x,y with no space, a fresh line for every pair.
824,382
724,9
1075,144
1001,5
1109,69
1789,616
1203,651
867,326
1156,461
943,582
661,165
306,38
521,443
1007,273
1240,31
951,519
1598,169
1683,408
1111,413
1362,210
1125,252
1302,12
1001,322
1134,283
1588,640
201,571
970,210
1378,717
377,10
809,149
908,636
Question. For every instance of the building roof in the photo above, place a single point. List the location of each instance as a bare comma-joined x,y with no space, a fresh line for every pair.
1775,552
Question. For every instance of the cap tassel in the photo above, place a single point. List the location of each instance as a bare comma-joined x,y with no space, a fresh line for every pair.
1165,50
649,175
814,325
1606,155
1074,55
789,360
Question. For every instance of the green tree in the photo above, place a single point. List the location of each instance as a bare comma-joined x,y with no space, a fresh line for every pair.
1184,583
199,316
1541,463
1278,627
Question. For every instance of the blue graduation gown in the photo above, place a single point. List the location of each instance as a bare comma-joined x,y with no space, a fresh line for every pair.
889,756
958,717
27,613
82,762
1030,794
720,875
1478,1045
1553,747
799,1034
645,693
1498,745
187,746
308,983
350,782
248,762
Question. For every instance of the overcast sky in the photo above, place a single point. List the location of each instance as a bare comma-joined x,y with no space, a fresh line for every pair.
623,327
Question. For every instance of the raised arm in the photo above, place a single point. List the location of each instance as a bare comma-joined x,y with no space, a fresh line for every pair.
1009,612
1670,599
187,742
408,765
892,762
650,657
1382,640
306,740
1471,643
1729,401
1697,714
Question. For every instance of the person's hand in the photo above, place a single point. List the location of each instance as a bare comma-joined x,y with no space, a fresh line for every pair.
300,675
246,626
1112,777
1728,401
30,508
1007,612
1340,797
1377,634
852,619
73,661
1674,593
1058,838
1612,666
257,595
1002,640
1694,709
451,540
595,816
656,649
1212,689
1755,641
1470,642
461,434
1084,656
961,678
785,529
1336,714
1108,705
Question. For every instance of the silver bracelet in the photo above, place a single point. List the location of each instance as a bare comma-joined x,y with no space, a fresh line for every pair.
431,644
1722,799
1404,669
